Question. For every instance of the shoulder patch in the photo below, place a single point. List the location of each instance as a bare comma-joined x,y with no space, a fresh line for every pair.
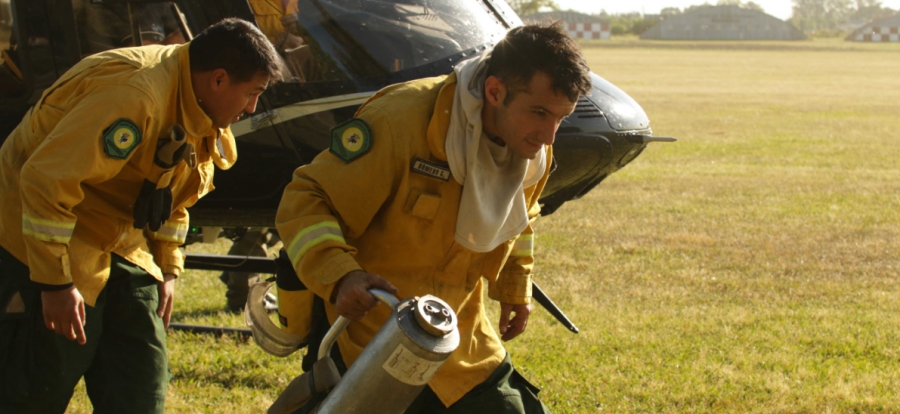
351,139
120,138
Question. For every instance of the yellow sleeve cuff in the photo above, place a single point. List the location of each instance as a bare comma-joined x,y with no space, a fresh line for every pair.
168,257
511,288
48,263
174,270
333,270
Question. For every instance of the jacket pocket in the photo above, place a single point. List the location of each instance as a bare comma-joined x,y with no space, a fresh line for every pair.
423,205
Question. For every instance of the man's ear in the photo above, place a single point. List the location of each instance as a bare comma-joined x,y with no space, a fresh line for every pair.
494,90
218,80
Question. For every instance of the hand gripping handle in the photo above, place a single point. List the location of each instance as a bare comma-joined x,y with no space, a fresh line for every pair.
342,322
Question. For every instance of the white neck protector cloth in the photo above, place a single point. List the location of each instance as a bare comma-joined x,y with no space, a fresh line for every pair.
492,208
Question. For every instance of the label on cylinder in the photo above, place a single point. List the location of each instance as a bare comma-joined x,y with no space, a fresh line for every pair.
409,368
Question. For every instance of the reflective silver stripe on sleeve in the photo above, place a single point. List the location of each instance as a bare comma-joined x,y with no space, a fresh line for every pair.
172,232
47,230
313,235
524,245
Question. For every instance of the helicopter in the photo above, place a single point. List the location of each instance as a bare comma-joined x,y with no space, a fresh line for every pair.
339,53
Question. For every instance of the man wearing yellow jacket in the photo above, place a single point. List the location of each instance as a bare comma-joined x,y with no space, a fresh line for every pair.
430,190
93,209
270,17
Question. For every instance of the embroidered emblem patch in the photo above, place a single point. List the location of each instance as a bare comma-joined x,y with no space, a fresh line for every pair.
120,138
430,169
351,139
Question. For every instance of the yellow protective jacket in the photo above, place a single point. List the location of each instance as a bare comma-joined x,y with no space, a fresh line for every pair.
378,213
268,14
66,204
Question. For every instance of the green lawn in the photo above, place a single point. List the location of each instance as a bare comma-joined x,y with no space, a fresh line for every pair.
750,267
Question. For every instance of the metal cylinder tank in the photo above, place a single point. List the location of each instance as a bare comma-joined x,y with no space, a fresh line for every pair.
399,361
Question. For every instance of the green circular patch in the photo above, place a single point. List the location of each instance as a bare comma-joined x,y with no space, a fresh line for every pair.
121,138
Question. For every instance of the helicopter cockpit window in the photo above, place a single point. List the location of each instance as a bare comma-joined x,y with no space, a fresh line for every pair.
11,83
111,25
348,40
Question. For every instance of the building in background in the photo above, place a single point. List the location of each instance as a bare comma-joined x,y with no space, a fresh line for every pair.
579,25
723,23
884,30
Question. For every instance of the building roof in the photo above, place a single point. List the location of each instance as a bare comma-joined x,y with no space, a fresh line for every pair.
566,16
723,23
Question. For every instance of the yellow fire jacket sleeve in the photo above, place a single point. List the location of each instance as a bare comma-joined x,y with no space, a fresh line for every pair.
513,284
51,178
329,199
164,243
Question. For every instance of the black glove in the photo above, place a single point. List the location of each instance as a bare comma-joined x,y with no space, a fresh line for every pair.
153,206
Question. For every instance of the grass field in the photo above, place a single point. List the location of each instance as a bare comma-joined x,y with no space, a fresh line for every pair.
750,267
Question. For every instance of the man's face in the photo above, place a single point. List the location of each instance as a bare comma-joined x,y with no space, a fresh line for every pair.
233,99
530,120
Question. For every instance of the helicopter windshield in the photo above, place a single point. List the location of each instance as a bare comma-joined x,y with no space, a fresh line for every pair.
353,40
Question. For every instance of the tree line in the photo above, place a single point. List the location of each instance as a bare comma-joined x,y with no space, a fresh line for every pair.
815,17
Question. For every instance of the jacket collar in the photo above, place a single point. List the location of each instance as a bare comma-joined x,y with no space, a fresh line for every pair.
195,120
440,119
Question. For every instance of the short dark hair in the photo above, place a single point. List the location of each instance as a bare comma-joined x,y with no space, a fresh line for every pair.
545,48
237,46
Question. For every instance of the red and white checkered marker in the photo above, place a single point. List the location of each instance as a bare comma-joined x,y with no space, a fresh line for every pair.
880,34
588,30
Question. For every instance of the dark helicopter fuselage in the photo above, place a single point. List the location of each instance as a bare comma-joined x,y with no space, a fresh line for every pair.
363,47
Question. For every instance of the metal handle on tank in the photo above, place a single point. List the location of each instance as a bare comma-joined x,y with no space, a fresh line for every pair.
342,322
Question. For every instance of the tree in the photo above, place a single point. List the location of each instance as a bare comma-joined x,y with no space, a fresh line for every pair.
821,15
526,7
753,6
697,6
748,5
669,12
867,10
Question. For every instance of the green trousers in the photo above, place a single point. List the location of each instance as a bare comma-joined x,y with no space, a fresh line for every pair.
124,362
504,392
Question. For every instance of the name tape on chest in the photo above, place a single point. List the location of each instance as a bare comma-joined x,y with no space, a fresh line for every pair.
431,169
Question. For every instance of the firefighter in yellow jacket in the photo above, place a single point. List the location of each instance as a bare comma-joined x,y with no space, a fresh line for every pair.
95,183
271,18
432,190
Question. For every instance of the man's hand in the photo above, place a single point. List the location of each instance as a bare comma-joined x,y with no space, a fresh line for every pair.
64,313
166,298
512,328
351,296
289,22
286,41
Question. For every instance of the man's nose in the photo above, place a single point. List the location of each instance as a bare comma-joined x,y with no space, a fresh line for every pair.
251,106
548,134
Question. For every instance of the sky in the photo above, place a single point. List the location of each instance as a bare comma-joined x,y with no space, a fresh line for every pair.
778,8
